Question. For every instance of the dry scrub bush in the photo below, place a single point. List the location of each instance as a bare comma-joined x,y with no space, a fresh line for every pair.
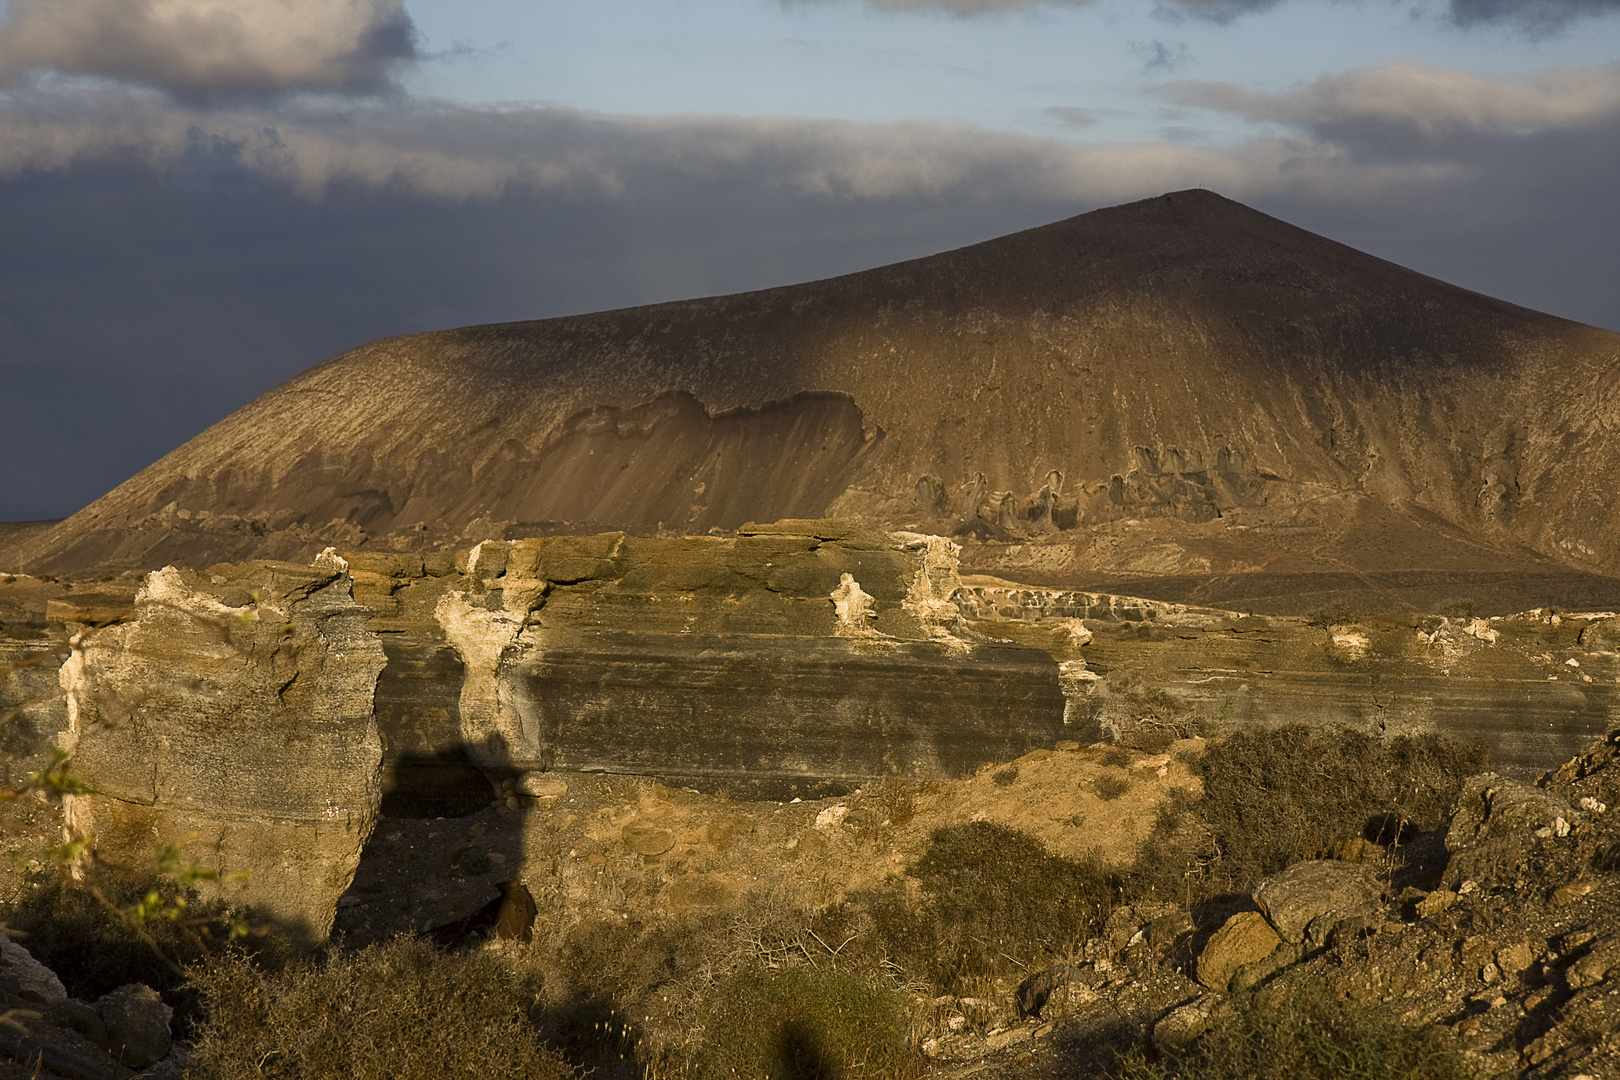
1305,1035
805,1022
396,1011
1275,796
990,900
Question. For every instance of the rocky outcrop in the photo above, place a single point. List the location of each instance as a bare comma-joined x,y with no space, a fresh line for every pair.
805,651
1527,685
1493,807
233,715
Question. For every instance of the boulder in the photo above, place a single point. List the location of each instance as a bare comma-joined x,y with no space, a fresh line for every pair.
137,1023
27,979
1292,899
233,716
1492,806
1244,938
49,1051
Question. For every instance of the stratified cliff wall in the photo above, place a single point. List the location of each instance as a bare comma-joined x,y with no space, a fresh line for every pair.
798,655
273,712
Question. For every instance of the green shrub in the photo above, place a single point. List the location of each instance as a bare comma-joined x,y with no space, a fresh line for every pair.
1304,1035
803,1024
400,1010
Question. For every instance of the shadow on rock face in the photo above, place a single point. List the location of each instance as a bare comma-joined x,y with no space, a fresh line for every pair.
446,785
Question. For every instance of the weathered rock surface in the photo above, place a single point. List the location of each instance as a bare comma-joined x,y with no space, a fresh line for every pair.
1181,1025
233,715
137,1025
1494,807
1524,684
25,978
1294,898
1245,938
806,651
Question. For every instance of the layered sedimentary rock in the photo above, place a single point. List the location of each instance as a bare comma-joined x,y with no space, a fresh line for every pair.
232,715
277,710
1180,387
1534,687
803,653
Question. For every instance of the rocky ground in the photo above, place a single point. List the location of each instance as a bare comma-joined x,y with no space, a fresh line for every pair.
1495,933
1498,933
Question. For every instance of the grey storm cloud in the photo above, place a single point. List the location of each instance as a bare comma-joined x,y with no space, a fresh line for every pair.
212,48
1535,17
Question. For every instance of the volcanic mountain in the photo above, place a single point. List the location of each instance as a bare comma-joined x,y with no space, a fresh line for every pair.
1181,396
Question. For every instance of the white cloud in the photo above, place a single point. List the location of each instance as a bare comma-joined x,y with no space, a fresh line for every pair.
451,151
1430,102
1536,17
204,48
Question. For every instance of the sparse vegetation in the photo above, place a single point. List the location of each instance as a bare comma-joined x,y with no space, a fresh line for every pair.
1305,1036
993,896
777,986
397,1011
1276,796
805,1022
1110,787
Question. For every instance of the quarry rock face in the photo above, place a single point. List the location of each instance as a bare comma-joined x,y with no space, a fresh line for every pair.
233,714
1179,398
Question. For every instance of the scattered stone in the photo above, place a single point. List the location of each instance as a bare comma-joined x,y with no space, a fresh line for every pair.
1000,1040
26,978
1594,967
1291,899
1435,902
137,1024
1245,938
542,785
1180,1026
1565,895
832,817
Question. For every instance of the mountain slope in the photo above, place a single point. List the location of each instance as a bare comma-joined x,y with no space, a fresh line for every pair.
1251,391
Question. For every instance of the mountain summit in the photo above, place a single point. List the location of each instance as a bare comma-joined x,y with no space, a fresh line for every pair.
1180,387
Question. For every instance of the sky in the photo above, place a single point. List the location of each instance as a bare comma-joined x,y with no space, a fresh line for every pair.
201,198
